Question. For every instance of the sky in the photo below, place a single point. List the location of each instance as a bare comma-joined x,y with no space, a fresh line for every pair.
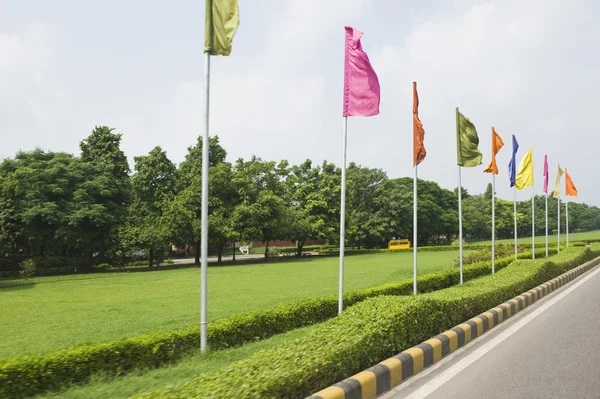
528,68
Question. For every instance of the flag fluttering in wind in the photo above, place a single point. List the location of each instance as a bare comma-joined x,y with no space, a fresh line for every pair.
221,22
419,154
570,191
361,85
361,98
419,151
559,173
512,165
525,174
468,154
492,168
497,143
546,174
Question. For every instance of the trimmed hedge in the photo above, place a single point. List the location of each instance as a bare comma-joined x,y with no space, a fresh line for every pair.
365,334
28,375
239,329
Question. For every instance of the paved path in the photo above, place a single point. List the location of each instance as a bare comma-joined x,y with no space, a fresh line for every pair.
225,258
550,350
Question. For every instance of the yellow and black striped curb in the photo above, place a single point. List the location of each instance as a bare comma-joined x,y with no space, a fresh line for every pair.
393,371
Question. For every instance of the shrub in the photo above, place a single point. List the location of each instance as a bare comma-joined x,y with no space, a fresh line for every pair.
103,267
366,334
500,251
27,269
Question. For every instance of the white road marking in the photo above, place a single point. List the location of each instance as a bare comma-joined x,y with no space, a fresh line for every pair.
445,376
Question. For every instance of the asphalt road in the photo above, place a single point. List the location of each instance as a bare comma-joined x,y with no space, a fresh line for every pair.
550,350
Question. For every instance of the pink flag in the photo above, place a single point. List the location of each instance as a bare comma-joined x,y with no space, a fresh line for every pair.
546,174
361,86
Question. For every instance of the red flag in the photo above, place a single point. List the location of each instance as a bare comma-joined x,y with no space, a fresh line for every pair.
571,190
497,143
419,151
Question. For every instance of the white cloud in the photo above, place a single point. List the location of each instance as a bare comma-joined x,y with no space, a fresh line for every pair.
30,84
506,64
527,68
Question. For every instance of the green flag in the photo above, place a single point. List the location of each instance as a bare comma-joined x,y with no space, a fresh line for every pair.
468,155
222,20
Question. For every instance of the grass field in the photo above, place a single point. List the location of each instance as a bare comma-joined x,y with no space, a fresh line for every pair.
51,313
552,239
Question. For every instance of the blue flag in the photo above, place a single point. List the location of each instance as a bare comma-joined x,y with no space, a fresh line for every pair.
512,165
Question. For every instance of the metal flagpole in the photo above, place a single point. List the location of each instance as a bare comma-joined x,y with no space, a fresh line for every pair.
343,218
532,222
515,215
204,212
558,201
460,231
567,221
546,225
415,232
493,222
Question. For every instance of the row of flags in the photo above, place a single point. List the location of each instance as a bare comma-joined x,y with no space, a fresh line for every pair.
361,97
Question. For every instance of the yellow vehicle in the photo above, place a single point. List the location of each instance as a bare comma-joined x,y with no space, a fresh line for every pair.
397,244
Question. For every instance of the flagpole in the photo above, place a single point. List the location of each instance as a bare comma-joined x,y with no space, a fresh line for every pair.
515,216
532,222
546,225
493,222
343,217
558,201
415,231
567,221
460,230
204,211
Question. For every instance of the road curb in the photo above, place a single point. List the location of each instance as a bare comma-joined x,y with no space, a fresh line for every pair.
391,372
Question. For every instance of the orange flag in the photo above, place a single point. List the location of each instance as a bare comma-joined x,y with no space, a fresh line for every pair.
571,190
418,131
497,143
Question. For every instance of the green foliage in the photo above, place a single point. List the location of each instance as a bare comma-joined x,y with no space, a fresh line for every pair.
56,204
366,334
500,251
103,267
153,186
28,269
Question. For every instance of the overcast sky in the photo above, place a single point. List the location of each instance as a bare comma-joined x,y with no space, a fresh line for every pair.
526,67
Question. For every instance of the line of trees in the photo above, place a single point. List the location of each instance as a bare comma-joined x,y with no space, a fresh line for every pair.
92,207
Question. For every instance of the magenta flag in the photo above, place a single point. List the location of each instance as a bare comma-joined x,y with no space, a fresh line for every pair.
546,174
361,86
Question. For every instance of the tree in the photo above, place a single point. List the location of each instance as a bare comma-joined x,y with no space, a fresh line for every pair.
154,185
367,222
102,149
185,213
313,206
488,192
261,214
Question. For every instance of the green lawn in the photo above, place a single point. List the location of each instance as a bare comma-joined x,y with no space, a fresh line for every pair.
51,313
552,239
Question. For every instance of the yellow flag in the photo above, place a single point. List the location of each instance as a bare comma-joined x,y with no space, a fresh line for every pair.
221,22
559,174
525,174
